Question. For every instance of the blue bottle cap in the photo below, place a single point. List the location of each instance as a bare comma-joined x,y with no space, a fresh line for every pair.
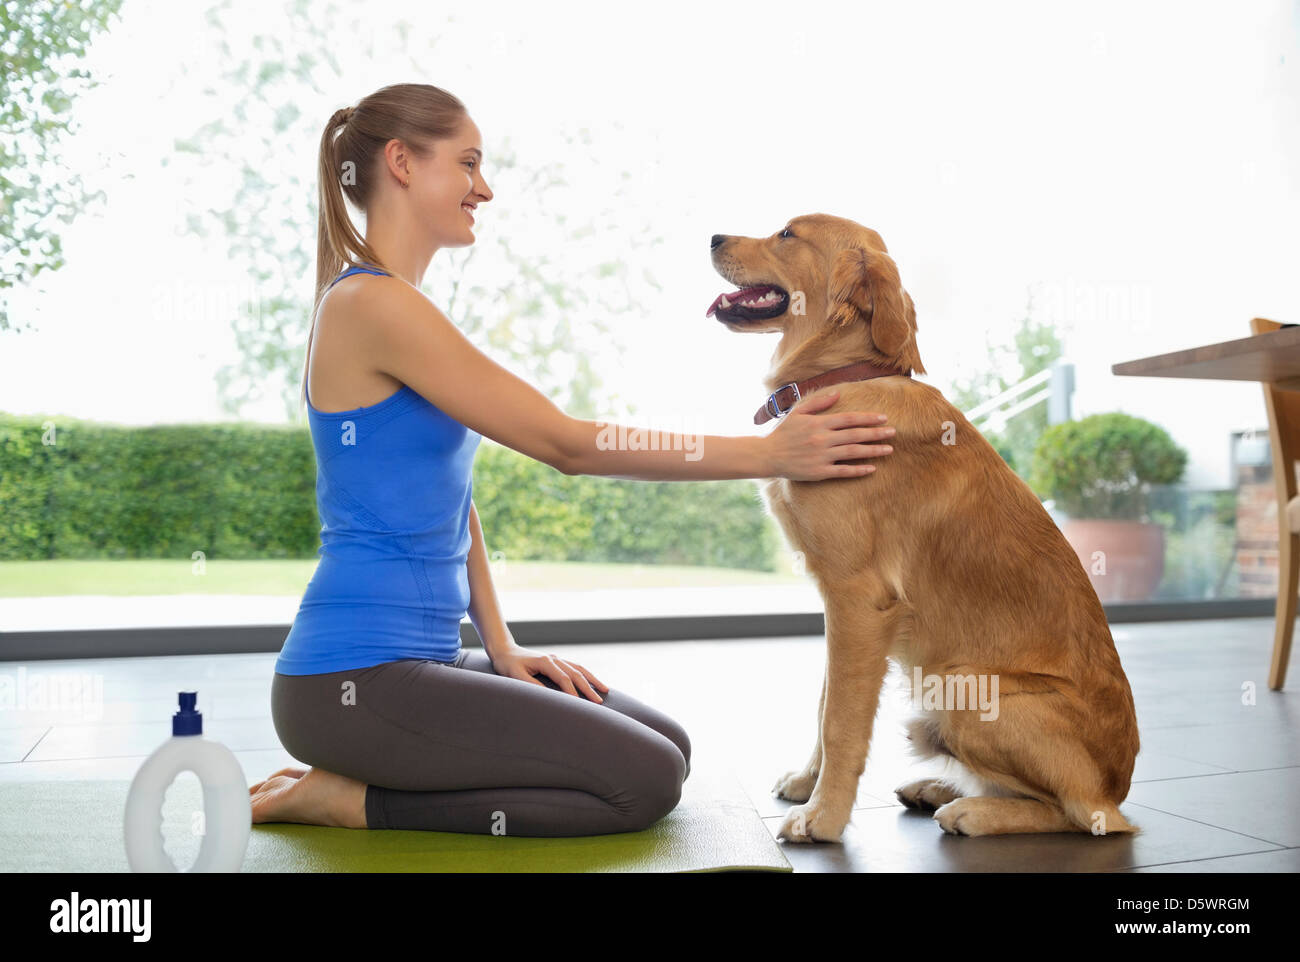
189,720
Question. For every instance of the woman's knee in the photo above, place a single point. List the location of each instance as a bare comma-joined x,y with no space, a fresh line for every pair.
654,719
677,735
658,783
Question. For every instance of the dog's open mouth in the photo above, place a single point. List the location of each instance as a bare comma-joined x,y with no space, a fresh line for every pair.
751,304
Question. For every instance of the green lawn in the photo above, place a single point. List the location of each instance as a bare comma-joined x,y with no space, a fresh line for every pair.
31,579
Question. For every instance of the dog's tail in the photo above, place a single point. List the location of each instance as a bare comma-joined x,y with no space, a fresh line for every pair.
1099,818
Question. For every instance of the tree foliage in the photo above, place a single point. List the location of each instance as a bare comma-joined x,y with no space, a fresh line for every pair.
1034,347
41,44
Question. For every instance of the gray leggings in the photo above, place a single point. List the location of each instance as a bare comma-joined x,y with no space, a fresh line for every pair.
455,747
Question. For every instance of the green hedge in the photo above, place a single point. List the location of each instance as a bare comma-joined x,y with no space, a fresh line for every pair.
248,491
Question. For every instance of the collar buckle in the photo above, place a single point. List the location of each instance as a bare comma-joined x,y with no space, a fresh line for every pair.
773,406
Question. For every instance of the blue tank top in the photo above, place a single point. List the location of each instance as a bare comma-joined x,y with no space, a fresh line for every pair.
393,490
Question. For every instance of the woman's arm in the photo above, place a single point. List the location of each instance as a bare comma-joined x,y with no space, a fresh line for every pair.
408,338
800,447
508,657
484,610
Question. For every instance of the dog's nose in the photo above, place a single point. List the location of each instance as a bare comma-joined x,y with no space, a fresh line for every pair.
718,241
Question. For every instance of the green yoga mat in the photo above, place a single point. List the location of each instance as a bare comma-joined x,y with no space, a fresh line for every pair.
76,826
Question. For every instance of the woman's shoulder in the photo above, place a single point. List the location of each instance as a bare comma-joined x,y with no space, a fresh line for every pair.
355,279
363,288
386,306
359,295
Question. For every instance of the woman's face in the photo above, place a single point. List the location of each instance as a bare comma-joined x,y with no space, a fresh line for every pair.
443,184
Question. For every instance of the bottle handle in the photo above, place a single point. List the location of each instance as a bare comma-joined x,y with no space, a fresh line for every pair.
226,827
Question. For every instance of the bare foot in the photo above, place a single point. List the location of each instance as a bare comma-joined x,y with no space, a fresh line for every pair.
316,798
291,772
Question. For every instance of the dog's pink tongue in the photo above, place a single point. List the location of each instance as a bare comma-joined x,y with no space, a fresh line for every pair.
734,297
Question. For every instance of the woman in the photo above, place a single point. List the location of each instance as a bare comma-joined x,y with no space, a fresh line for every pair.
404,728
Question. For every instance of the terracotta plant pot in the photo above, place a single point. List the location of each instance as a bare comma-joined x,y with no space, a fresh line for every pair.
1132,556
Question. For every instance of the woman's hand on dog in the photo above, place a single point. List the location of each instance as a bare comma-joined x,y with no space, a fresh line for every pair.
524,663
806,445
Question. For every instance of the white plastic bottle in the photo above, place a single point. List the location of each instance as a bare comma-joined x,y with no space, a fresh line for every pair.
227,809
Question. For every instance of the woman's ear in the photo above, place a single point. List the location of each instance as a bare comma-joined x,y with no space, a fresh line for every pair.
864,286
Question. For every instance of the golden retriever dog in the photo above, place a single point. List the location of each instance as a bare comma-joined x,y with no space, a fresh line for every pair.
942,559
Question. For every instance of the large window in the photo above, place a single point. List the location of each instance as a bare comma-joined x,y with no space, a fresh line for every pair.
1050,195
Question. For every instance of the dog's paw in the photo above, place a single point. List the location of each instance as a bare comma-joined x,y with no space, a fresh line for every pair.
795,786
965,816
927,793
811,823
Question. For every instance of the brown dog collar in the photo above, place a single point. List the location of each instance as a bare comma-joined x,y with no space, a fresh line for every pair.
862,371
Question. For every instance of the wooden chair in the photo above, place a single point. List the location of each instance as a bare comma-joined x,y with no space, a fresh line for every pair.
1284,439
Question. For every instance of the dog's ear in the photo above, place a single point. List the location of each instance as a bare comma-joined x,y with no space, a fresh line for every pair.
912,356
865,286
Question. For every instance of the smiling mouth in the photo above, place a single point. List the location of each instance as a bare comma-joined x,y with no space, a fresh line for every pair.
750,304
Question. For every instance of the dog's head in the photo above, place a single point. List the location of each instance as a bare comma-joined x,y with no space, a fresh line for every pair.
820,278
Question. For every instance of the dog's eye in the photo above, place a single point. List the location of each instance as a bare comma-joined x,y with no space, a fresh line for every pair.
787,233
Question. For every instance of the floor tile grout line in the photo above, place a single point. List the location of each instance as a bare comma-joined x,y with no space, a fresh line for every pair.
1213,858
859,808
1174,778
1152,729
34,747
1226,771
1221,828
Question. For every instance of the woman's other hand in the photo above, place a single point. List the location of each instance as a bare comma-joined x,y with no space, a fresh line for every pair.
524,663
806,445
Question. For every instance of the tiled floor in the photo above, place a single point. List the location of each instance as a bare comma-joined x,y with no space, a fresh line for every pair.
1214,789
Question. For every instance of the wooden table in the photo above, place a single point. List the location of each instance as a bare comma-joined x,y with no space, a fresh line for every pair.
1273,357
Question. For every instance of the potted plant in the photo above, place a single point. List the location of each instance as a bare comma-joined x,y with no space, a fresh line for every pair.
1099,471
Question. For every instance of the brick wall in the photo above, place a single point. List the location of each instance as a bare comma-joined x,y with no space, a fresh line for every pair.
1256,531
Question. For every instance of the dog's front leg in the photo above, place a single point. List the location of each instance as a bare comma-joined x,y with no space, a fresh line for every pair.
858,637
798,785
